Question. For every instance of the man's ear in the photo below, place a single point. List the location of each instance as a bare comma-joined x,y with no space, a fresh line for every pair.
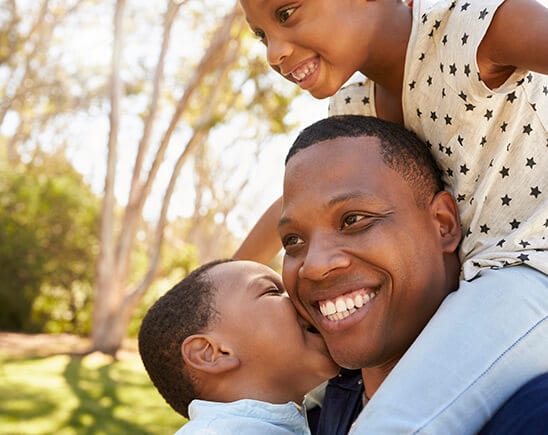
202,352
446,214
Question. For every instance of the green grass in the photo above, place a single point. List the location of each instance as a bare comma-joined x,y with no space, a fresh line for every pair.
71,395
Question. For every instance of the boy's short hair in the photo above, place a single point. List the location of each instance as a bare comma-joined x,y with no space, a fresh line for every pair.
188,308
400,149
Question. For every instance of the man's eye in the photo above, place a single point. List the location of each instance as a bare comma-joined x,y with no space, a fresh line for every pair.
351,219
291,240
284,14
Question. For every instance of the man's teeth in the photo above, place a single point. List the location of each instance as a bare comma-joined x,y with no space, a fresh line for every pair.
343,306
301,73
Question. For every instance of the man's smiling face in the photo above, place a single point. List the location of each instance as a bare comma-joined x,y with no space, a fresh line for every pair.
364,262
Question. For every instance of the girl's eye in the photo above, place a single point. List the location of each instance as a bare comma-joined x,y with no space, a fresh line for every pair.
284,14
259,34
351,219
291,240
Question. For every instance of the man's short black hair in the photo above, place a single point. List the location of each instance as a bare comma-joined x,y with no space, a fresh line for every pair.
188,308
400,149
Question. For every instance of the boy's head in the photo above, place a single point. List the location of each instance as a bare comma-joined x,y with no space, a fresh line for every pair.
228,331
320,44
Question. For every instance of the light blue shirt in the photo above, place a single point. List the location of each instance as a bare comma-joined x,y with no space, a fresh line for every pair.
245,417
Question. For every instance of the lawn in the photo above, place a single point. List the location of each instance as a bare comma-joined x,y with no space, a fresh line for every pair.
65,395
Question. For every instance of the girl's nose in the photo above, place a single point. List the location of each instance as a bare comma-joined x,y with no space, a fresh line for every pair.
277,51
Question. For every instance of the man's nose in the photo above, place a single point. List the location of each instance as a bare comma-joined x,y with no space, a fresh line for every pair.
277,51
323,257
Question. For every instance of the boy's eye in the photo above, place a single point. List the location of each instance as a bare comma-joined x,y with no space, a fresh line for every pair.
284,14
275,291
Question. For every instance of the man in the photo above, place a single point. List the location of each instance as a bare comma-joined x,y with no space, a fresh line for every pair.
371,244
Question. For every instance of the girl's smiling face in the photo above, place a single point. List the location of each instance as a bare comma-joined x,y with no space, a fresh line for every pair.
317,44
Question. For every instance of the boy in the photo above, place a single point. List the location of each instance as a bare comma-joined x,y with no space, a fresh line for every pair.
468,77
226,348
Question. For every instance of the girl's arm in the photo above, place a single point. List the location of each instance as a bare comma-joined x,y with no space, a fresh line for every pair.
263,241
516,38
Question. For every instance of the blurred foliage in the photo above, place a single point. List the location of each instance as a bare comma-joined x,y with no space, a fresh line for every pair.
48,243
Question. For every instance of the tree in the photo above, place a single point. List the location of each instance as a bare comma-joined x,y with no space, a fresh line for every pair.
48,238
209,97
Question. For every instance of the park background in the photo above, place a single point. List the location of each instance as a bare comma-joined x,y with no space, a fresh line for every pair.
138,139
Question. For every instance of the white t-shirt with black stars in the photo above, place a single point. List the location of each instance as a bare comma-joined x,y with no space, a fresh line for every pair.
492,145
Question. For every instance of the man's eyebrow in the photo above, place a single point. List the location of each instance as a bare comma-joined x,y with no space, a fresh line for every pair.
348,196
338,199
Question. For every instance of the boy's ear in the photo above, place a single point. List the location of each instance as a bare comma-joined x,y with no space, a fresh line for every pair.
446,214
202,352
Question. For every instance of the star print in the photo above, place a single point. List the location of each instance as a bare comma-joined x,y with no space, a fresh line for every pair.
464,169
467,69
453,69
448,119
453,5
421,57
444,40
440,147
441,67
483,14
531,162
437,24
484,228
365,100
488,114
500,243
449,172
443,93
524,243
468,232
534,106
347,100
448,151
431,34
546,223
506,200
469,107
527,129
545,90
419,113
412,85
429,81
464,6
464,39
515,224
433,116
529,78
523,257
505,172
424,18
503,126
535,192
511,97
463,95
461,197
460,140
